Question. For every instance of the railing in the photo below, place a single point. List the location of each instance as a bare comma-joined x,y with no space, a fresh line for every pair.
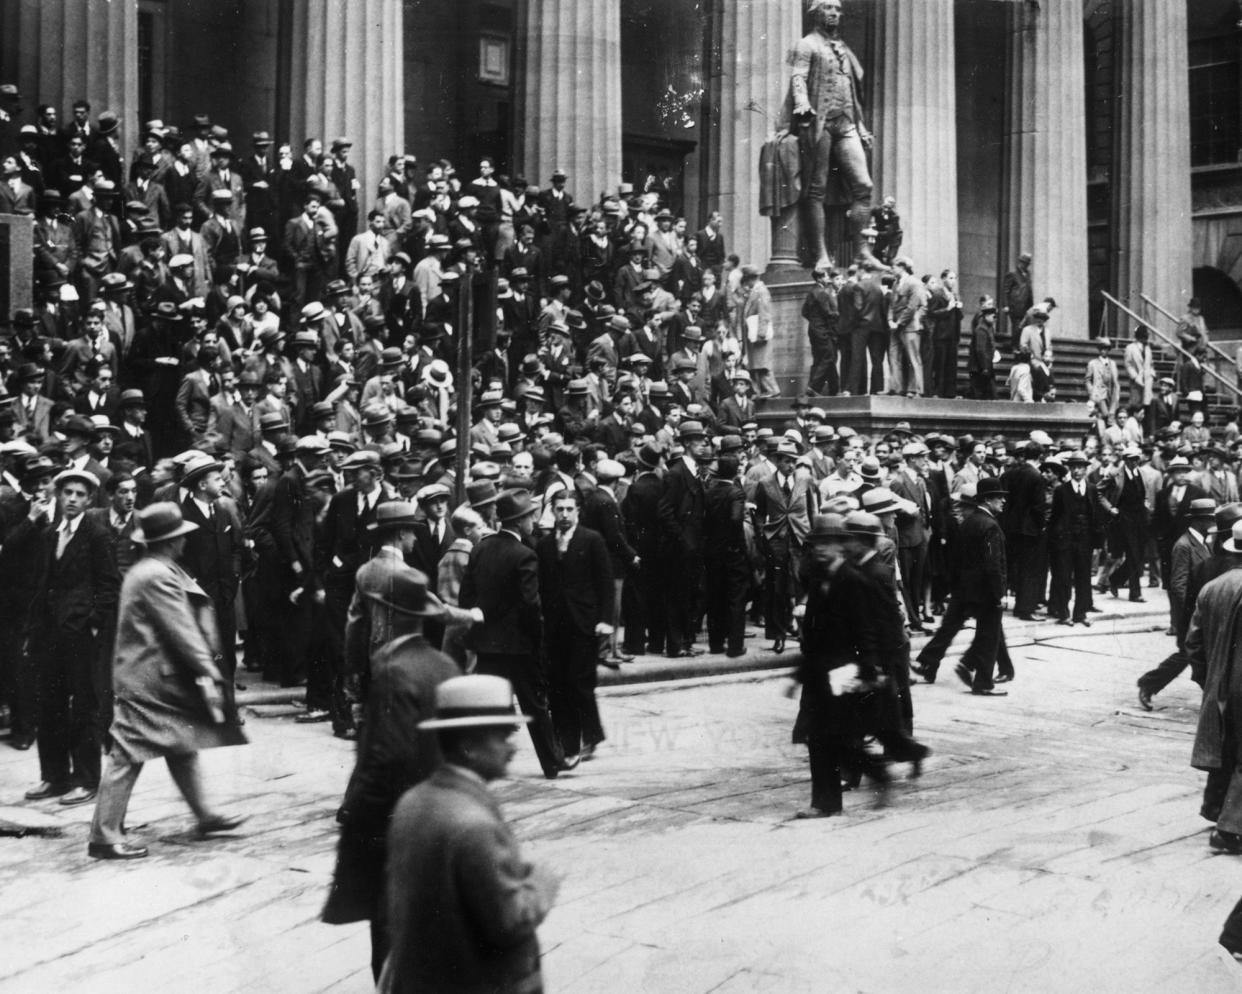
1233,387
1220,353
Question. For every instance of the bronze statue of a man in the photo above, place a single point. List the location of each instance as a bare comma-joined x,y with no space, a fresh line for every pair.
824,109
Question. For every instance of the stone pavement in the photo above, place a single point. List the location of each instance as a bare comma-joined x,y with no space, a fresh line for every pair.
1052,844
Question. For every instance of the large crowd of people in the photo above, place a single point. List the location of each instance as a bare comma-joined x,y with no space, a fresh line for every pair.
224,370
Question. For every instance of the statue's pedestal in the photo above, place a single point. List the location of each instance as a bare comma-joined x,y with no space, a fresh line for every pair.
16,263
791,353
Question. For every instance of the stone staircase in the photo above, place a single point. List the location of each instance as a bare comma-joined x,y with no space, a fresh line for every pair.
1069,369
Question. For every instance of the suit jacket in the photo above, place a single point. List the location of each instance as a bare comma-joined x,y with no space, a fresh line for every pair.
124,549
191,244
502,578
681,508
213,181
345,542
601,513
54,245
462,909
784,519
19,201
40,423
981,559
1026,508
293,526
576,589
233,425
1074,520
1169,522
137,450
427,552
911,528
193,405
79,591
364,257
369,624
640,510
98,237
213,553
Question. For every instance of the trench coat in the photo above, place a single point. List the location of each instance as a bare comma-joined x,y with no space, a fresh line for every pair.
165,639
1212,646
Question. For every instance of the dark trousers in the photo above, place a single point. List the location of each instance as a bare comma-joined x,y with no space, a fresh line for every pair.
1026,574
980,656
831,756
572,658
864,344
982,386
944,365
69,733
913,560
727,585
780,561
1131,534
1222,794
530,684
294,639
646,628
824,377
19,679
1071,570
683,577
340,703
955,616
1168,670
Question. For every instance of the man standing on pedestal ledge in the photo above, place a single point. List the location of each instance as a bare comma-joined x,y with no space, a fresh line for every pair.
824,109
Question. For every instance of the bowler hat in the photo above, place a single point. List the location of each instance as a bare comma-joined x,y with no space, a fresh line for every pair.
474,701
161,521
990,486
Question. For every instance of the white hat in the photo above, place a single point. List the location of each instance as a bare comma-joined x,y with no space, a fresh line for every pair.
1234,542
474,701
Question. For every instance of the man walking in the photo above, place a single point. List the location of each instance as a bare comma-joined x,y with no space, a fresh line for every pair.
502,579
981,585
681,519
576,590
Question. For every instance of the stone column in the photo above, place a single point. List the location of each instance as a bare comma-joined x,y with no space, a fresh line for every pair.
748,90
573,95
72,49
1152,203
347,61
915,124
1046,157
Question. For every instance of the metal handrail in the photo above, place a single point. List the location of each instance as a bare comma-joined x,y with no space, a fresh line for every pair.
1237,393
1220,353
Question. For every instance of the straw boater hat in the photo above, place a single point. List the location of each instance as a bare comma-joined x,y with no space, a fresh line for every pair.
474,701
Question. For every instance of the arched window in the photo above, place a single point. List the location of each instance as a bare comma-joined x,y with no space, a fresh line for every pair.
1222,302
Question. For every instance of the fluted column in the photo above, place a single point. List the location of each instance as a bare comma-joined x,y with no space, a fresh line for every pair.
1046,156
81,49
748,90
915,124
573,94
347,65
1153,212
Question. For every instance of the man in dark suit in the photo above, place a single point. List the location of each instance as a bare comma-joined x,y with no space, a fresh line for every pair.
1024,517
133,441
502,579
307,386
980,588
601,513
75,595
213,555
784,506
576,591
870,331
433,536
1171,516
712,243
640,510
726,569
347,541
1124,500
681,518
292,528
1073,527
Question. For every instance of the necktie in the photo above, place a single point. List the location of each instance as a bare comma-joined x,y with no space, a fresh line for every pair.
787,487
62,540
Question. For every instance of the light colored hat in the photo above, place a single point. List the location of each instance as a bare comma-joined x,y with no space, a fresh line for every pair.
180,259
1234,542
76,476
609,469
474,701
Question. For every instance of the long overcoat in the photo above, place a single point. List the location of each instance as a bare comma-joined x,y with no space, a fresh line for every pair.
1212,645
166,638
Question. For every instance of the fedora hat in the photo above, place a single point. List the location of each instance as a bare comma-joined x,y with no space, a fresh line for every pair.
691,429
406,593
863,523
161,521
481,493
197,468
474,701
827,526
394,514
649,456
28,371
514,505
990,486
273,421
869,469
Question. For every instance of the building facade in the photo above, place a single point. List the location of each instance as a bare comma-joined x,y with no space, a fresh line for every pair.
1100,135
